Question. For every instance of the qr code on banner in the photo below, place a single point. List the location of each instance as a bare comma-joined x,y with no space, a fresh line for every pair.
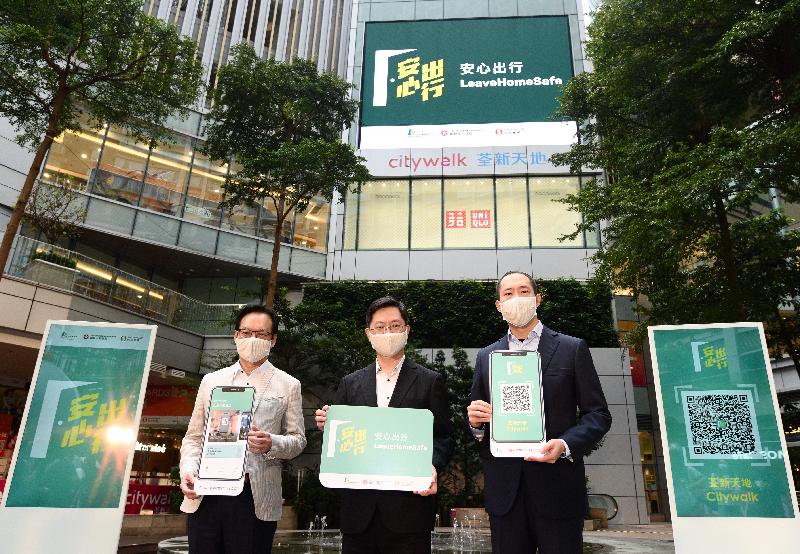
721,424
516,399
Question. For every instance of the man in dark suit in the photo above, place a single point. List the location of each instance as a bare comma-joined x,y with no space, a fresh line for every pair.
540,501
392,522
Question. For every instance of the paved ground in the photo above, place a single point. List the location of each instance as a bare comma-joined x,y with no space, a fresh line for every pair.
654,538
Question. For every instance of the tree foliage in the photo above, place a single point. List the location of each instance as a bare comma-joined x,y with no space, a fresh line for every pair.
282,123
693,109
80,64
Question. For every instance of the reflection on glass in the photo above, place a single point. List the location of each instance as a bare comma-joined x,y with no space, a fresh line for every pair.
294,29
383,215
350,219
551,219
311,226
240,218
205,191
166,176
512,212
468,213
593,238
267,221
121,169
426,213
73,158
273,29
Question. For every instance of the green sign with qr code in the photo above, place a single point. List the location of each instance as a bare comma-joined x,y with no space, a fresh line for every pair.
722,430
517,414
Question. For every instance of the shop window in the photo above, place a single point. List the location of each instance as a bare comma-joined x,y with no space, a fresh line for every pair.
469,213
267,219
426,214
350,220
205,191
72,160
121,170
512,213
551,218
383,215
240,218
166,176
311,226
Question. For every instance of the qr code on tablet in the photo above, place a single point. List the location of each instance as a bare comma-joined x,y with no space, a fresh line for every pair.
721,424
516,399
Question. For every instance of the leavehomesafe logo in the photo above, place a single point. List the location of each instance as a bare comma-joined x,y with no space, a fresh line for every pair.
411,76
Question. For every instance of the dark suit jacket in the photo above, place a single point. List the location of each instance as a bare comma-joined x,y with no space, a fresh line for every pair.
416,387
569,385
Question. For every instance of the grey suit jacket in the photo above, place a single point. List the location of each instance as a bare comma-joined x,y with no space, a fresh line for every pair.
280,413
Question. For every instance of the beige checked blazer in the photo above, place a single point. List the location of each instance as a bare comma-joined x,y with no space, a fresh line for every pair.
280,413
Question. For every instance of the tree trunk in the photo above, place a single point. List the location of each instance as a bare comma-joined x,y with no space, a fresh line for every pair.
30,179
726,255
276,254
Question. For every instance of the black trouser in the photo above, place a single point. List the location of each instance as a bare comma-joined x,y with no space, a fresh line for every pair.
520,531
228,525
378,539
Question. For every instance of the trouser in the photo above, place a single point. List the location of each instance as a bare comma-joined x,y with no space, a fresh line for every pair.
378,539
228,525
521,531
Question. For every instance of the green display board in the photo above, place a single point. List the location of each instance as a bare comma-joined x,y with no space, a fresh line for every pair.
720,421
464,70
81,421
377,448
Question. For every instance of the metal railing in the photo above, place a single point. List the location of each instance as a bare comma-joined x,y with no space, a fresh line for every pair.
58,267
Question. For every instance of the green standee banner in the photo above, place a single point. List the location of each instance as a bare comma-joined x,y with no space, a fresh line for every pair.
451,82
80,425
724,449
377,448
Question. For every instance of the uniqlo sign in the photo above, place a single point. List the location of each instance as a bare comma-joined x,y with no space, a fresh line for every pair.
455,219
480,219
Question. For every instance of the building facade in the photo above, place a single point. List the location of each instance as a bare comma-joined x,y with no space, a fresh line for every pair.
456,128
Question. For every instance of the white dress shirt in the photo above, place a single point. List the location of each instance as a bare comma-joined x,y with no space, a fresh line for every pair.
385,383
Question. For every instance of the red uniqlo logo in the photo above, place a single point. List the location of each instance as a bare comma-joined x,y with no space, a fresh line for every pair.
480,219
455,219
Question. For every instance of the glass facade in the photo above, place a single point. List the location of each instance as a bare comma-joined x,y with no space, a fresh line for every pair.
463,213
173,179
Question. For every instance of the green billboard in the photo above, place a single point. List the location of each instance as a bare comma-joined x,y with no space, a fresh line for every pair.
721,425
451,82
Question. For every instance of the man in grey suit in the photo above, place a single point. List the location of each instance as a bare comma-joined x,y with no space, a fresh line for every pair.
538,503
245,524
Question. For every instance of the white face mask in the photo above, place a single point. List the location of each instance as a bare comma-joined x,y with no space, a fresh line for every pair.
519,311
253,349
388,344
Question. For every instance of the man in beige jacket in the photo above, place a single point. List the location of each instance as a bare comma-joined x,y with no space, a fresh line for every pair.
245,524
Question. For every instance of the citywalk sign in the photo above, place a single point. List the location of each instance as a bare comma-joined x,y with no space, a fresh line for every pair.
724,450
465,82
68,480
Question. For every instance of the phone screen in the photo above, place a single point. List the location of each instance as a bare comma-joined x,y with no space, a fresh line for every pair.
227,424
517,404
